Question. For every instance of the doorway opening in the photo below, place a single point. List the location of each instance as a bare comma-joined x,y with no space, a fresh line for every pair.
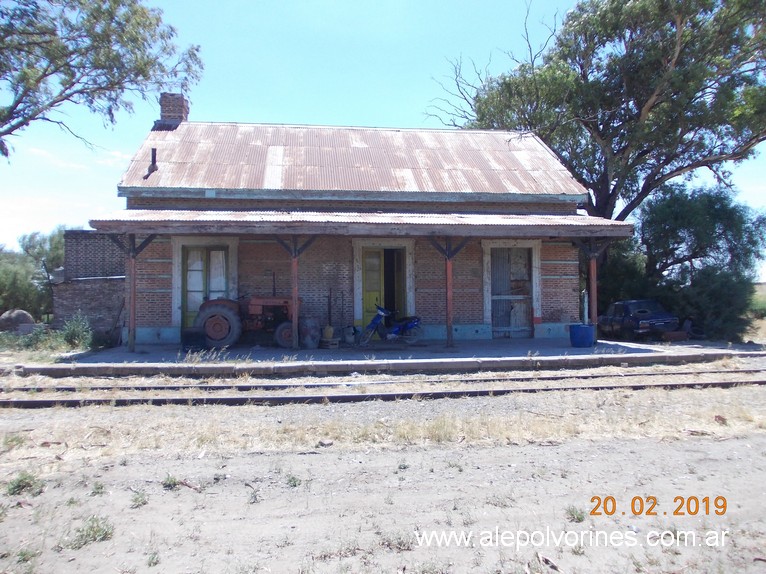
205,277
384,281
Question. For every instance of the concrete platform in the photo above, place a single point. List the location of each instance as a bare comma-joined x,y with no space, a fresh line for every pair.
423,357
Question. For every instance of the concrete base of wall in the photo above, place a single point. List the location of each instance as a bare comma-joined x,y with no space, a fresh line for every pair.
459,332
155,335
551,330
481,331
477,332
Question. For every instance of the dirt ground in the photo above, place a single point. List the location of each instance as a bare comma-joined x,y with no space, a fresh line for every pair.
517,482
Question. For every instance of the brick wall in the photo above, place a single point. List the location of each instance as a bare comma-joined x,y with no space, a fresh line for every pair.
467,290
99,299
93,282
325,267
468,276
91,254
326,270
154,283
560,280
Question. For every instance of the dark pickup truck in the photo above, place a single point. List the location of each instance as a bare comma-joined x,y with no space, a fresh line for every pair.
636,318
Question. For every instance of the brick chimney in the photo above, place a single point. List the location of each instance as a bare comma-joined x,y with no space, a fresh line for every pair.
174,108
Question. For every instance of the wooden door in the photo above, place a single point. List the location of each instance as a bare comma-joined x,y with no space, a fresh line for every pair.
511,292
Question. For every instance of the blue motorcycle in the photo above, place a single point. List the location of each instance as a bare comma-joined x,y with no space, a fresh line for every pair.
406,329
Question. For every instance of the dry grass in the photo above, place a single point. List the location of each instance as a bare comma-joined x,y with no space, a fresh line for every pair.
514,419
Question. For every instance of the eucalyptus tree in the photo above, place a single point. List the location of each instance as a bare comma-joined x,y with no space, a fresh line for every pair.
633,95
96,54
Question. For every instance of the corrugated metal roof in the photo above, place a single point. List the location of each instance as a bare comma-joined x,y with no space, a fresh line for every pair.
225,156
352,223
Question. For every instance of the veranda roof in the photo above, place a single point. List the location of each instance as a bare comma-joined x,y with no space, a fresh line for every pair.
190,222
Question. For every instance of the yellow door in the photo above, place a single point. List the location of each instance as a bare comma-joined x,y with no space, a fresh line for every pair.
372,282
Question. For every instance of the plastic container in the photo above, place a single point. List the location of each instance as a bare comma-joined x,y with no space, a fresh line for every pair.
582,335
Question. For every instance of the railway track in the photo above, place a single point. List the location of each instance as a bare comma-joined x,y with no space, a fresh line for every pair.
237,393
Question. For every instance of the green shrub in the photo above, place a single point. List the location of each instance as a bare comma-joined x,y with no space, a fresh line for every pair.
95,529
8,341
717,300
77,333
25,482
40,338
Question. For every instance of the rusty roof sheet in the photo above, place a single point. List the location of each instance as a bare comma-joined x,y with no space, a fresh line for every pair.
252,157
354,223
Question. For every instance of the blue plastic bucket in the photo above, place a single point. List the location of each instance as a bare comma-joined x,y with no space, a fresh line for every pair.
582,335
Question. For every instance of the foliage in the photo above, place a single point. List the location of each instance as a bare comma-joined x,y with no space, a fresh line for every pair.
717,299
623,274
170,482
25,277
139,499
77,333
45,249
25,482
575,514
634,94
40,339
94,54
697,255
683,231
17,288
95,529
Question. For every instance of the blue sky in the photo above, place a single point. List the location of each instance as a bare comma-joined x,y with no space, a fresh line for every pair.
331,62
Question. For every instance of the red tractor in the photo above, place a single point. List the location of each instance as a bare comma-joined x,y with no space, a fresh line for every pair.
223,321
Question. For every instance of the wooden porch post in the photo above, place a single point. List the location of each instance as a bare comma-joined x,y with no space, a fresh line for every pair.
132,251
592,250
449,254
450,315
132,306
593,289
296,299
295,252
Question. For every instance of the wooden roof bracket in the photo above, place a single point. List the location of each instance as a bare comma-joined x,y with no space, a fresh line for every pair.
131,250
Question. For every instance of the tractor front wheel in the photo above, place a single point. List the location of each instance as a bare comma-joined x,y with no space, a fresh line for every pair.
283,335
221,325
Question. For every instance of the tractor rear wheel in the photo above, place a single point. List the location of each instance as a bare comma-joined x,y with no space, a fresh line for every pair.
221,325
